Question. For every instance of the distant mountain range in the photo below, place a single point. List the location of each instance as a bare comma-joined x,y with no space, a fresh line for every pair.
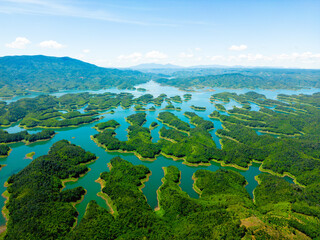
19,74
155,66
145,66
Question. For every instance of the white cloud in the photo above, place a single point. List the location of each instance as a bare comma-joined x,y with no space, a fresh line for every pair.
152,56
238,48
186,55
19,43
51,44
299,56
86,50
198,49
155,55
134,57
303,59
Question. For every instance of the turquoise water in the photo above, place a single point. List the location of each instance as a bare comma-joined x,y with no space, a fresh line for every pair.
81,136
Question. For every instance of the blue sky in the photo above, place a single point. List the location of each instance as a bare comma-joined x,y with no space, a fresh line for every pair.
281,33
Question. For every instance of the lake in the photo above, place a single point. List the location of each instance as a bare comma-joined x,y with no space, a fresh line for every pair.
81,136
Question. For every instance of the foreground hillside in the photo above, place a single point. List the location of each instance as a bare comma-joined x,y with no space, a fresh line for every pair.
19,74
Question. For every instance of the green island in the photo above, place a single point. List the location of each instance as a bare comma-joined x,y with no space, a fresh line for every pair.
199,121
187,96
141,89
30,155
220,107
176,99
197,108
111,124
173,121
153,125
24,136
169,107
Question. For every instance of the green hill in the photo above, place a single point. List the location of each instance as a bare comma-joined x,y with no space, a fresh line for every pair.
19,74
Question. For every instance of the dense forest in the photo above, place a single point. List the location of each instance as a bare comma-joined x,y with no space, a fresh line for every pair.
38,209
21,74
224,210
24,136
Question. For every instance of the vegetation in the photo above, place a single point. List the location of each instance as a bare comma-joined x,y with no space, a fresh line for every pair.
179,217
297,156
38,209
289,206
30,155
196,108
141,89
139,139
187,96
173,121
4,150
153,125
169,107
24,136
220,107
224,209
199,121
176,99
111,124
137,119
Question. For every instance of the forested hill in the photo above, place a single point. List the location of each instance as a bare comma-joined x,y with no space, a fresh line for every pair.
19,74
245,78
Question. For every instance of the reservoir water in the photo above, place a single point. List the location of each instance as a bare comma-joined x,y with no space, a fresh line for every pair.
81,136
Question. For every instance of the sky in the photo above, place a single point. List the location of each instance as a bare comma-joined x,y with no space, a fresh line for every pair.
123,33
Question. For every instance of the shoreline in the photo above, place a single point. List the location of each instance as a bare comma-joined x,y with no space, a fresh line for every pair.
8,153
30,155
285,174
194,185
232,165
70,126
173,126
104,196
72,179
2,166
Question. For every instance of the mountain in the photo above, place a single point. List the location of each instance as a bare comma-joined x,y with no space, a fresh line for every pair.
155,66
20,74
